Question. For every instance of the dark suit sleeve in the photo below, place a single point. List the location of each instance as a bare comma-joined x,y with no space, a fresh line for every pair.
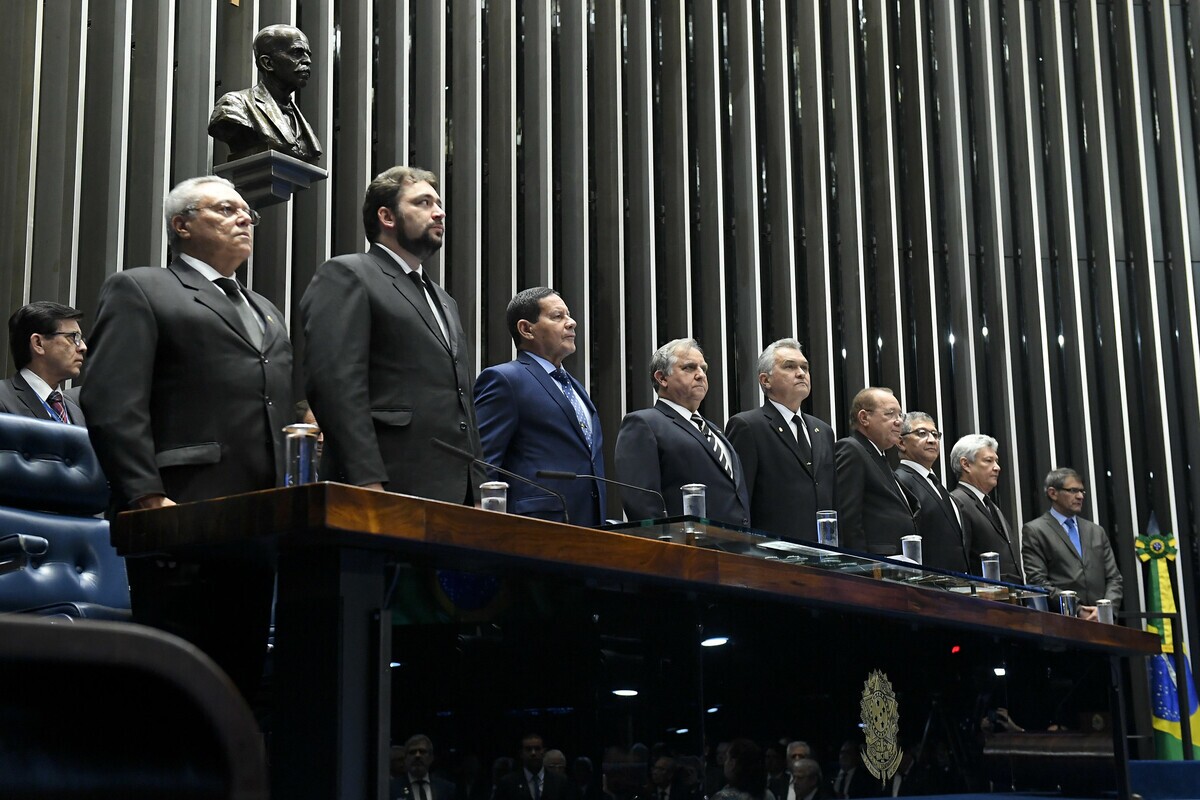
1034,556
738,431
496,411
336,313
637,463
1113,583
116,389
850,485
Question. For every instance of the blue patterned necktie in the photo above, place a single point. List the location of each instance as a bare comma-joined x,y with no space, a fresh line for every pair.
1073,532
581,414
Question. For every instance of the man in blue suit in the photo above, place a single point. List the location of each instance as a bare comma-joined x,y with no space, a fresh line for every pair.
534,415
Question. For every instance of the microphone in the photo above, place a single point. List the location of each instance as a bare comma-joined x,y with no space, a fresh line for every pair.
570,476
468,456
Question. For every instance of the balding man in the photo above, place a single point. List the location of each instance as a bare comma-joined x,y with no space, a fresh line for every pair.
874,512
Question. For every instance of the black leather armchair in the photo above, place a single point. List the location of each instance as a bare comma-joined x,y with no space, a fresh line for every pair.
55,555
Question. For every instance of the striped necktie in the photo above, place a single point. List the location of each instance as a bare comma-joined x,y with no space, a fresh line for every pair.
713,443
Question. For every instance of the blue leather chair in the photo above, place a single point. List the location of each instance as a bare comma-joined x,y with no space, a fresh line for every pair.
55,555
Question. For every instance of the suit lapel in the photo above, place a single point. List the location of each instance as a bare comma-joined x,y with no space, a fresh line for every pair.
271,326
212,297
29,397
550,385
409,291
691,429
1060,533
944,503
783,429
271,110
887,476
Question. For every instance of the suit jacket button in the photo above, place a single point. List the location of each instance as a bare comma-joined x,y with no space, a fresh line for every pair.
462,426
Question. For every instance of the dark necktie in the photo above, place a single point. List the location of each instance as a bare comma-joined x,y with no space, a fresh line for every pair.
937,487
422,790
55,401
581,415
994,510
537,787
422,284
250,324
802,440
713,443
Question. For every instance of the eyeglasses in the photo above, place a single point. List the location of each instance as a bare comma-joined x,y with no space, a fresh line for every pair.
228,210
890,414
1074,490
925,433
75,336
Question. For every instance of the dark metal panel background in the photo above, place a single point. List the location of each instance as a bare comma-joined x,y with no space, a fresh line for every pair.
989,205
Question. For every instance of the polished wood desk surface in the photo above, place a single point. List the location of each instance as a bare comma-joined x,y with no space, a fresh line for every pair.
338,515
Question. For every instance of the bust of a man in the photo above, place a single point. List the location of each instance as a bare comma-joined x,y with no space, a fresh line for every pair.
265,117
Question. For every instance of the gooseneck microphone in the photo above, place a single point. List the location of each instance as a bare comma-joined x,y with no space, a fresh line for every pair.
571,476
468,456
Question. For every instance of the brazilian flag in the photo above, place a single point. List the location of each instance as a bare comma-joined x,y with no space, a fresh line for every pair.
1157,551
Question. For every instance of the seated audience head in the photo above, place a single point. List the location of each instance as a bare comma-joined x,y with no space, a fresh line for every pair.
418,756
798,750
1065,489
773,759
806,776
744,768
679,373
875,413
783,374
849,756
46,339
974,460
663,772
582,771
920,440
540,323
533,752
555,761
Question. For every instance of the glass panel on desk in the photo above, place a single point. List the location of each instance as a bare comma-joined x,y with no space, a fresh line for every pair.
711,535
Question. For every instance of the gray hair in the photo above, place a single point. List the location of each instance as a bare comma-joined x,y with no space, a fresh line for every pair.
766,361
1055,478
913,417
968,447
665,358
182,200
808,765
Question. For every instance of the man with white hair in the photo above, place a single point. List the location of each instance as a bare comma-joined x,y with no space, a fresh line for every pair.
188,387
976,465
787,455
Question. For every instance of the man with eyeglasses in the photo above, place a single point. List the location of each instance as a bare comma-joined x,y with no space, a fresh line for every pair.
188,387
938,521
874,511
47,349
1063,550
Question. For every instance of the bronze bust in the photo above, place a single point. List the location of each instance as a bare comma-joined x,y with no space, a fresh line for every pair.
265,117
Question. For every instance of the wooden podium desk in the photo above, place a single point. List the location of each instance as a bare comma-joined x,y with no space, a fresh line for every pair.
334,544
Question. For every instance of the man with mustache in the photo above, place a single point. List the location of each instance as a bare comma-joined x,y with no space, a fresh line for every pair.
264,117
387,363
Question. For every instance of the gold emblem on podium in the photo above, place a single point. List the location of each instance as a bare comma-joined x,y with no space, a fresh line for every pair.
881,727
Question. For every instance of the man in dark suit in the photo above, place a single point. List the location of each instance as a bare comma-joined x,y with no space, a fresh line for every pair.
535,415
1063,550
874,512
265,117
410,772
671,444
975,462
787,455
532,781
47,349
386,360
188,386
938,520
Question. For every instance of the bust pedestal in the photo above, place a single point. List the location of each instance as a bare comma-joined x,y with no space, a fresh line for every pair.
267,178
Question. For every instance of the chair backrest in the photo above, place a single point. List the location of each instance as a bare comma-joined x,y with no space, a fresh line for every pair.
51,485
48,466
